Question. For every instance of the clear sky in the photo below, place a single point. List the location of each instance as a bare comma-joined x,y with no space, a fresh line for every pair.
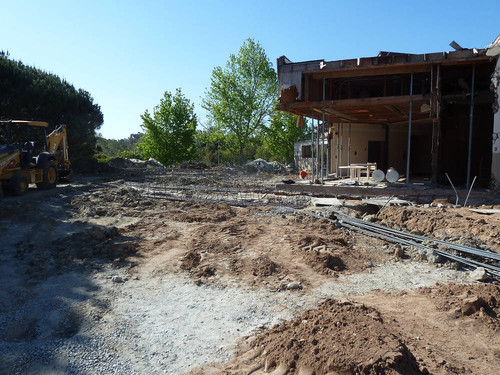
127,53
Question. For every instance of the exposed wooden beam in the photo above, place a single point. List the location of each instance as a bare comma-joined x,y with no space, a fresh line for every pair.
341,115
371,71
396,110
352,103
416,121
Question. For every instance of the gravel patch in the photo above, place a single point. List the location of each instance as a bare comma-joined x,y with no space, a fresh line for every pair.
392,276
167,324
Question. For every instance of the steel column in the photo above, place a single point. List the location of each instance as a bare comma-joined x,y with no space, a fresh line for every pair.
409,134
312,146
323,131
469,155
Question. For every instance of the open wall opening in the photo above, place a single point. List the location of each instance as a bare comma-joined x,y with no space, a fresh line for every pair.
455,123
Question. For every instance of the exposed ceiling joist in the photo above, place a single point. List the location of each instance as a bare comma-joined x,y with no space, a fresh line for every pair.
396,110
341,115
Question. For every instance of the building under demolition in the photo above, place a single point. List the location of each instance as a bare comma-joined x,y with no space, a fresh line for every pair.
426,115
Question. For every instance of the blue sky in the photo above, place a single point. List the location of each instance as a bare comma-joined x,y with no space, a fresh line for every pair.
127,53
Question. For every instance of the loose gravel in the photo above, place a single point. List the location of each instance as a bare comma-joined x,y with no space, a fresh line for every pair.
165,324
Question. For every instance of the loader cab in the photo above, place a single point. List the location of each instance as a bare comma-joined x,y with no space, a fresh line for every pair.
29,137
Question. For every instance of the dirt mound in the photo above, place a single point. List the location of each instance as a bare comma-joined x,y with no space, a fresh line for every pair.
458,225
91,167
267,167
324,262
263,266
336,338
194,165
481,301
109,202
124,163
190,260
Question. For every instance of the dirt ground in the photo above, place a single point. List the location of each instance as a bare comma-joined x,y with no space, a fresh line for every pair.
211,272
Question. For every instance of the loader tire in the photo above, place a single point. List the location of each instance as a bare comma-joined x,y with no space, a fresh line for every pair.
50,176
18,184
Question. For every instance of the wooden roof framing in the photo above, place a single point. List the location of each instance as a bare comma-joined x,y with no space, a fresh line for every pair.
377,109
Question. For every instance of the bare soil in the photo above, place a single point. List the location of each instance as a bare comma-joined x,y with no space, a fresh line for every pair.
447,329
459,225
115,279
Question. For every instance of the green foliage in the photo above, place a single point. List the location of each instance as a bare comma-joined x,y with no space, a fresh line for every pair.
242,95
169,134
129,155
101,158
113,147
280,136
27,93
209,143
263,152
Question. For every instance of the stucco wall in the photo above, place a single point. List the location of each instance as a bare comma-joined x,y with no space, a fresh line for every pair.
361,134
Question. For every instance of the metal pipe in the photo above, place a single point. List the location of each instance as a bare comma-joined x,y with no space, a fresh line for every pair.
466,199
349,146
409,134
323,156
380,228
323,131
327,151
337,169
317,150
431,101
451,183
364,228
385,204
341,134
312,146
469,155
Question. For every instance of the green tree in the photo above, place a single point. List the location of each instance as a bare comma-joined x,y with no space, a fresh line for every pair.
169,134
243,94
210,142
27,93
281,134
118,147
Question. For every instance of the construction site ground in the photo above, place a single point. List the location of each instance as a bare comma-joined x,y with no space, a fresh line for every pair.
209,271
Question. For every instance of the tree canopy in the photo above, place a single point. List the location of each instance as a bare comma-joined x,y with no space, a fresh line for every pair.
117,147
169,133
281,134
242,95
27,93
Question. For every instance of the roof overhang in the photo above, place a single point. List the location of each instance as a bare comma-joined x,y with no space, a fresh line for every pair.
387,109
382,110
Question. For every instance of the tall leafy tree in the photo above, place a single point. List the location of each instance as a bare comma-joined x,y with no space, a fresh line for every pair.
281,134
27,93
169,133
242,95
